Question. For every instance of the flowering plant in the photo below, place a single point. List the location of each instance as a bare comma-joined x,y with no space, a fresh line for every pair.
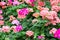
29,20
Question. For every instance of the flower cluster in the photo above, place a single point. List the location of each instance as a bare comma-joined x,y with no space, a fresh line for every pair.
29,19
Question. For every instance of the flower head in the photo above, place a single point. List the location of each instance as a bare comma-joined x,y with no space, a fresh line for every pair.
17,28
6,29
40,37
36,15
31,2
57,34
15,22
29,33
1,22
53,30
16,3
22,13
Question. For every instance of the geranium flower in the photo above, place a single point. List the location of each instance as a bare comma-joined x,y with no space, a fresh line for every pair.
1,22
29,33
36,15
57,34
5,29
31,2
40,37
22,13
17,28
16,3
15,22
52,31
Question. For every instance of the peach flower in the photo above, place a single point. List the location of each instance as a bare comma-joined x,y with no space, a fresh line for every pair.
29,33
36,15
1,22
12,18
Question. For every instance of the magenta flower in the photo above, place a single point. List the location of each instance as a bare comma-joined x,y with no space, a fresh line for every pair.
57,34
40,37
19,28
23,11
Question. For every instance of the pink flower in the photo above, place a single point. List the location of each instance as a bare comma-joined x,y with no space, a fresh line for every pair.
51,16
43,13
16,3
0,11
29,33
40,37
6,29
31,2
22,13
21,16
15,22
16,28
57,34
10,1
1,22
55,8
54,2
3,3
52,31
41,3
19,28
42,8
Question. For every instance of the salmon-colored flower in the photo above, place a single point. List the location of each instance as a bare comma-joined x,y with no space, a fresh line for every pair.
36,15
1,22
21,16
29,33
12,18
42,8
40,3
31,2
